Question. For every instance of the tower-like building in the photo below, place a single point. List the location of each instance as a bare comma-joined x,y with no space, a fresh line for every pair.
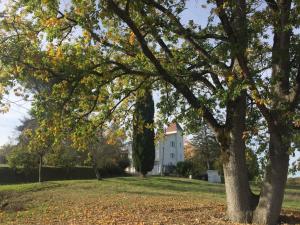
168,151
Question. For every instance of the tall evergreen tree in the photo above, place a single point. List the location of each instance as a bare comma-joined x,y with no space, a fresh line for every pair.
143,133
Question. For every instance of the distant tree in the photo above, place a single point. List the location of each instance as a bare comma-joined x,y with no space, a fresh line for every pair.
22,159
105,150
28,150
189,150
65,155
143,146
206,153
252,165
5,151
206,147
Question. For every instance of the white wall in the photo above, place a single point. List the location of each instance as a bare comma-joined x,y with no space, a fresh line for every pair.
168,151
171,149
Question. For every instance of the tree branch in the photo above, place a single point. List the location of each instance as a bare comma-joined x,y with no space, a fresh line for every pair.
186,34
181,87
272,4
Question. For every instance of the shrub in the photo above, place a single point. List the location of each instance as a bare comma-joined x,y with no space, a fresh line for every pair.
184,168
198,170
124,163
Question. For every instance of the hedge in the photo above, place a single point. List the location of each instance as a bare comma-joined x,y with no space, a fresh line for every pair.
11,176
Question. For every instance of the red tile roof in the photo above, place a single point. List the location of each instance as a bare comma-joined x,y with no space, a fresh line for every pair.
173,127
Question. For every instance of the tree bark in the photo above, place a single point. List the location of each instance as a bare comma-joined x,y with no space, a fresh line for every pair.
240,200
271,198
238,194
97,172
40,168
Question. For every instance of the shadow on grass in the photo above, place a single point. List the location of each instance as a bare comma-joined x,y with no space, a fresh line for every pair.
15,200
293,186
169,184
44,186
145,193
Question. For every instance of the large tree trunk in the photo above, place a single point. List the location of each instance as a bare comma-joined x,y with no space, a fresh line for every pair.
272,193
238,194
40,168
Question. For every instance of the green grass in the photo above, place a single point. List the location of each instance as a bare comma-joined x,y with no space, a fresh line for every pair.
31,202
149,186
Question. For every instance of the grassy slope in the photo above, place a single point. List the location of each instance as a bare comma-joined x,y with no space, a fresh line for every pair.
90,201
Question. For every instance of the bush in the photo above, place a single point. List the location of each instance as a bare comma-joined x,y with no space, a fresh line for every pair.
169,170
184,168
124,163
5,150
199,171
191,167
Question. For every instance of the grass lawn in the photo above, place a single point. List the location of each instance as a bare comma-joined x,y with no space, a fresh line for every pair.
126,200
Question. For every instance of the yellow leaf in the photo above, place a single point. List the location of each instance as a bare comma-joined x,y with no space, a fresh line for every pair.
230,79
2,89
131,38
59,53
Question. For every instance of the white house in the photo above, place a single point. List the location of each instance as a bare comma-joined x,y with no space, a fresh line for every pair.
168,151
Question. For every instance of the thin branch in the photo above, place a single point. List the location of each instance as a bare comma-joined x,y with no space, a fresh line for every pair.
94,105
185,33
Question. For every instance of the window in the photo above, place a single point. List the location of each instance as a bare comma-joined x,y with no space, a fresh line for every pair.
172,155
172,143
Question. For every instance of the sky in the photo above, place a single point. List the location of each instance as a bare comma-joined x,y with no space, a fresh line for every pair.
9,121
19,108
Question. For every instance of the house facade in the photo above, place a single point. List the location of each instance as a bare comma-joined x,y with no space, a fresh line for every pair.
168,151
